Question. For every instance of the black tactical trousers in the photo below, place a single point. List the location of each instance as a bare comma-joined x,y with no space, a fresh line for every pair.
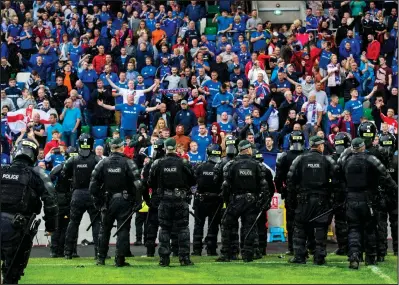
260,241
139,223
341,228
290,222
207,209
10,238
244,208
152,227
382,233
393,220
362,226
118,209
307,209
174,211
58,237
81,202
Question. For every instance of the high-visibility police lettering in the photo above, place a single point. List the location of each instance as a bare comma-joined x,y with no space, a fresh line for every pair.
207,173
115,170
245,172
172,169
81,166
313,165
10,176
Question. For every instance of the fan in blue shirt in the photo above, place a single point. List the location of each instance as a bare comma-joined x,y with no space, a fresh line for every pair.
194,155
203,140
213,87
75,51
355,105
258,38
170,25
225,23
223,101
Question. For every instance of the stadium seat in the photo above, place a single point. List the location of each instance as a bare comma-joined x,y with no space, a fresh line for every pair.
210,23
367,114
51,84
112,129
341,102
211,38
210,31
85,129
276,234
98,142
213,9
21,85
99,132
52,78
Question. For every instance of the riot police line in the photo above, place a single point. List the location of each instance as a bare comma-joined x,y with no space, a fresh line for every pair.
353,185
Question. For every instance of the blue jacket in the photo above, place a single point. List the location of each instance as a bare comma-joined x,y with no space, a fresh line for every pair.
195,13
186,118
220,108
355,46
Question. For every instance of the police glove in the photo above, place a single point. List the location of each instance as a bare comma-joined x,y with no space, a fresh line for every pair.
137,206
98,203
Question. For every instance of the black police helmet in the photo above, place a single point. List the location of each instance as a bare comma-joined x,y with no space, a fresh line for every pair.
71,151
231,149
159,149
367,131
85,143
214,152
342,141
297,140
27,149
388,142
258,156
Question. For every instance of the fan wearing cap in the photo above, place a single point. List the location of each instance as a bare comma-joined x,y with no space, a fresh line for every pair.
23,189
185,117
246,190
362,173
116,189
312,179
172,178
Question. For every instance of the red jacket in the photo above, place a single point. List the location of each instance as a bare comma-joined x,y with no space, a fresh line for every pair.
50,145
41,34
390,121
99,63
373,50
198,107
342,127
129,152
248,66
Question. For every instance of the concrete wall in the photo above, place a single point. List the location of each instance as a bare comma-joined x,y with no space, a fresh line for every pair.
291,10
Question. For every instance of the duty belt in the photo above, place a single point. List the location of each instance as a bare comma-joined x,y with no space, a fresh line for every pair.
179,193
245,195
117,195
206,195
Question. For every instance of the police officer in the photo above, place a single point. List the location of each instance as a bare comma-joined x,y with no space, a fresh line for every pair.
64,195
22,188
79,168
116,189
153,200
261,241
283,163
245,181
231,152
207,202
361,173
312,179
172,177
388,142
342,141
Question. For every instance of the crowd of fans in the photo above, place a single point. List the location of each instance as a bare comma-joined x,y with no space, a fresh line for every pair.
144,67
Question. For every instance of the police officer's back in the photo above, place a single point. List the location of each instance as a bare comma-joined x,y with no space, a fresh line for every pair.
153,200
361,173
79,168
207,202
312,179
116,189
283,163
22,188
172,177
244,181
231,151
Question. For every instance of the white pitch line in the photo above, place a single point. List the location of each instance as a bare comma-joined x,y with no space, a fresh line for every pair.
381,274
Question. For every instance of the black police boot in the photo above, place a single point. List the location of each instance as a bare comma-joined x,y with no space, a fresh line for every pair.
370,260
185,261
68,255
318,260
234,256
263,251
54,253
225,258
175,253
150,251
196,252
257,254
75,254
298,260
289,252
211,252
354,261
138,243
380,258
129,254
100,261
164,261
120,261
340,251
395,253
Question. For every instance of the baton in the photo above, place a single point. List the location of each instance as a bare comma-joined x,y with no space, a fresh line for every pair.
214,216
92,222
326,213
124,222
256,220
195,217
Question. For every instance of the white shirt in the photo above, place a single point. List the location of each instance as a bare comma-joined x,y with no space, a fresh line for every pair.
273,120
253,75
309,112
321,98
126,92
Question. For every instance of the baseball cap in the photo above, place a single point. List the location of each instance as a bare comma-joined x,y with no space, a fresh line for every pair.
358,143
239,7
116,131
116,143
316,140
170,144
244,144
183,102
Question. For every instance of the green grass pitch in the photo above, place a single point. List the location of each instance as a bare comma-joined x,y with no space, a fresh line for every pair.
269,270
